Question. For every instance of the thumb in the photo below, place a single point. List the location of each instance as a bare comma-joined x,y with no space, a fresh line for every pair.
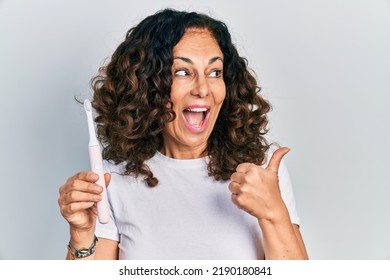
276,158
107,178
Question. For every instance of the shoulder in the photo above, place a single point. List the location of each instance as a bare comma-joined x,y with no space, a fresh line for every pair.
111,167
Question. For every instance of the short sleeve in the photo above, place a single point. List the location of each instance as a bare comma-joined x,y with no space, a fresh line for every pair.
287,193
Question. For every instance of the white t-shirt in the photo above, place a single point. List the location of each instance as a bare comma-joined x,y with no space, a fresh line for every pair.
188,215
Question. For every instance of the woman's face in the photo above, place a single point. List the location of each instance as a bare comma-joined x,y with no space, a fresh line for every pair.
198,91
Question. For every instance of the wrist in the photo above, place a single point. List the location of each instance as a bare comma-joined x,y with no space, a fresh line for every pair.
81,238
276,217
75,252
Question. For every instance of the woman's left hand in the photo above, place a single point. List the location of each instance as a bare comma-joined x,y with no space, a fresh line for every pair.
256,189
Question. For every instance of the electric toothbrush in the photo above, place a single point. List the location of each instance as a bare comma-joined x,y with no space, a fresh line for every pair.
96,161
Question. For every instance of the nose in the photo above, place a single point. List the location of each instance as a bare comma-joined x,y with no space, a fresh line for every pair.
200,88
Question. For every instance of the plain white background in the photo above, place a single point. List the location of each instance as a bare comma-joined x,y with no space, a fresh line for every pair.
324,65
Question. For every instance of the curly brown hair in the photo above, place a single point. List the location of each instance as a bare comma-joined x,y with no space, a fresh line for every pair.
132,98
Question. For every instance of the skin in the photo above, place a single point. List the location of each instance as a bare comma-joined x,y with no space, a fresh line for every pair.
256,190
198,82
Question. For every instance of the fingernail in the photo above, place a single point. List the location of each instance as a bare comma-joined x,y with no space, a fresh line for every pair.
94,177
90,204
98,197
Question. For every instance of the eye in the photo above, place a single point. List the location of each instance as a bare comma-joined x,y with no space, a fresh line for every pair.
216,73
181,72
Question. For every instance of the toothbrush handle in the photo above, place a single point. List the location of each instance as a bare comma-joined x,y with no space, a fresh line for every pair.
96,161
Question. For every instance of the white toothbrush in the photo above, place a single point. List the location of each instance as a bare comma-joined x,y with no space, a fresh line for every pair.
95,157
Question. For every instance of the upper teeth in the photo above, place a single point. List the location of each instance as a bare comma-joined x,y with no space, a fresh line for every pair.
196,109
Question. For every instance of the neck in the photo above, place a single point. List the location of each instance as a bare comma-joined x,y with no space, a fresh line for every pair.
183,153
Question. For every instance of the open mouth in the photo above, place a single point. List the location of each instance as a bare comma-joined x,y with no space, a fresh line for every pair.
196,116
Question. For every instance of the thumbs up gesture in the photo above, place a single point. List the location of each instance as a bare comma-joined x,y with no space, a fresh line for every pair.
256,189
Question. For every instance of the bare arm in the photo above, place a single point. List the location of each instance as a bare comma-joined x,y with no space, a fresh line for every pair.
283,241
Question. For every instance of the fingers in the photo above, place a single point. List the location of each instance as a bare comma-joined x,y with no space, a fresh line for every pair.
79,196
244,167
234,188
69,209
234,198
84,176
276,158
241,200
81,188
243,175
78,199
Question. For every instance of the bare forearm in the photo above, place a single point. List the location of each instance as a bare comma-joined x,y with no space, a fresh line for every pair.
106,249
282,241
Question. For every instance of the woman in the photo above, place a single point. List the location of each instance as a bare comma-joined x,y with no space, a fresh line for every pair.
191,174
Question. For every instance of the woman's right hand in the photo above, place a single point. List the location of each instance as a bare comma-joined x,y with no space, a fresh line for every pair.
78,198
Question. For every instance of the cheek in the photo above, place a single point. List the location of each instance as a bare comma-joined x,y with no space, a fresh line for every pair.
220,96
169,129
218,102
176,95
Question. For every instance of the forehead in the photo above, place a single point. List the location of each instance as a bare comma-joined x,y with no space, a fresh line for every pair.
193,31
200,40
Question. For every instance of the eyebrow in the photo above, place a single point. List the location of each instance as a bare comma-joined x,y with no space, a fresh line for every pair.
188,60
